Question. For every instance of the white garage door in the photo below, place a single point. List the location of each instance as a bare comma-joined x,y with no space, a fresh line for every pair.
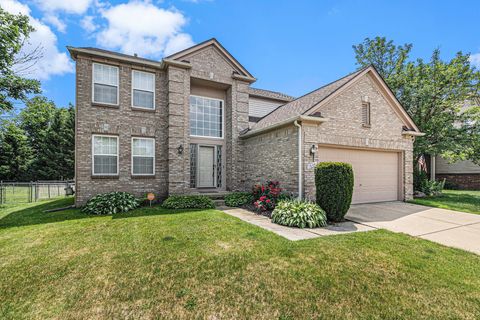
376,172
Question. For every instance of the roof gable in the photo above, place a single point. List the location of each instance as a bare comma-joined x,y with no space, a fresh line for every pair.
311,102
215,45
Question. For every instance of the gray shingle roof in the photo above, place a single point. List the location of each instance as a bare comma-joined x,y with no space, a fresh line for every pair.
270,94
304,103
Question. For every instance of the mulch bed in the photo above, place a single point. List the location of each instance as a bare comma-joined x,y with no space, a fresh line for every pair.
252,208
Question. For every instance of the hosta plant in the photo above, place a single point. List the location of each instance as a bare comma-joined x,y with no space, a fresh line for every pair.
111,203
297,213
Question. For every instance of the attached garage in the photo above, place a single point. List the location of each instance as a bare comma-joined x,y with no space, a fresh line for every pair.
377,173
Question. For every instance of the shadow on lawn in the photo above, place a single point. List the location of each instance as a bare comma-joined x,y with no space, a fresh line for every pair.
35,215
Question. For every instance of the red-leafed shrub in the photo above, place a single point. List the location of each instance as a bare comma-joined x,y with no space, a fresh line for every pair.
266,195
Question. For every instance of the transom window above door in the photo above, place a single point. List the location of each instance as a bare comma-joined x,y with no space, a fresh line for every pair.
206,117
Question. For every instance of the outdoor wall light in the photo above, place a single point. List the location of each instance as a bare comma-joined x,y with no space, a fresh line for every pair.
313,150
180,149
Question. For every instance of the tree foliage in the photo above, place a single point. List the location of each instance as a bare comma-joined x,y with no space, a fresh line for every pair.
15,153
14,31
43,136
434,93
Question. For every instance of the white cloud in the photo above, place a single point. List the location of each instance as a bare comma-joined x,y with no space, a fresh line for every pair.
52,61
143,28
178,43
475,60
55,21
68,6
88,24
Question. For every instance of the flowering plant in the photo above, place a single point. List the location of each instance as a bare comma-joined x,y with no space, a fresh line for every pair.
266,195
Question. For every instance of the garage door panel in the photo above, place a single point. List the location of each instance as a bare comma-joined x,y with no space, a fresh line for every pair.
376,172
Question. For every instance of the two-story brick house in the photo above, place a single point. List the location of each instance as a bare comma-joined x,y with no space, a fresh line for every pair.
192,123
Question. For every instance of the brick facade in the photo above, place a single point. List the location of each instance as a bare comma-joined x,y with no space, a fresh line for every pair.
245,161
464,181
168,124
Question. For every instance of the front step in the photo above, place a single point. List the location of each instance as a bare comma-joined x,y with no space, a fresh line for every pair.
220,195
219,203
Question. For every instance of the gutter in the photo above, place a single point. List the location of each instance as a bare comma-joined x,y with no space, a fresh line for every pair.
413,133
283,123
300,173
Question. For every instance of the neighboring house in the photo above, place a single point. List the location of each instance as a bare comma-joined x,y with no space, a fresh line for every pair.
460,174
191,123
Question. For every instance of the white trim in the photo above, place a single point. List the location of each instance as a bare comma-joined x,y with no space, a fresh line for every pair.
131,92
93,155
131,157
223,118
118,84
300,160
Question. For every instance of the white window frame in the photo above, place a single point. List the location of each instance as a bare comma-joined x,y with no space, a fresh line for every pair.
223,118
139,107
93,84
93,155
132,156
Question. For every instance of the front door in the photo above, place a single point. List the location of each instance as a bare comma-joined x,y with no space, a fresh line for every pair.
206,166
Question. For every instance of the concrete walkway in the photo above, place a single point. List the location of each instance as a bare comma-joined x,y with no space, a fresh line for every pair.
295,233
450,228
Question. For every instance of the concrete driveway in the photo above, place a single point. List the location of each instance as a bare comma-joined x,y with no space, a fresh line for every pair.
450,228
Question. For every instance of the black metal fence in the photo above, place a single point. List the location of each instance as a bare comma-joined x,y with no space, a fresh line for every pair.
23,192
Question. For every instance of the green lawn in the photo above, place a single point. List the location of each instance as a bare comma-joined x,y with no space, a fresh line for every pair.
160,264
459,200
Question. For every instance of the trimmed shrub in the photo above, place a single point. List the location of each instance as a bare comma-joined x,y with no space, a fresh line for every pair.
296,213
188,202
334,188
111,203
237,199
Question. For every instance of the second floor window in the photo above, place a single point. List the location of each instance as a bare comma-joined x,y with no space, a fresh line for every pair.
105,84
206,117
143,89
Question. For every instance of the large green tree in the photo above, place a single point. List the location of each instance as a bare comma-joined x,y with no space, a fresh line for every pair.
50,133
14,32
15,152
434,93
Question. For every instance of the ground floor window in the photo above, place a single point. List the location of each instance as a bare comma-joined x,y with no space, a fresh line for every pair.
143,156
105,155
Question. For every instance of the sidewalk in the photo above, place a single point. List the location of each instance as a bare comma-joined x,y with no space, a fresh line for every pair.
295,233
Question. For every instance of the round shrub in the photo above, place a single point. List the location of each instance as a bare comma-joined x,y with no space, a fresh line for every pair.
111,203
296,213
237,199
334,188
188,202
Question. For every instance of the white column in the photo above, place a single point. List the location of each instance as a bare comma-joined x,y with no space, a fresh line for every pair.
432,167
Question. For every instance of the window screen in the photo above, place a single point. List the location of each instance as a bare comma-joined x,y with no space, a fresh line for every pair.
143,156
105,84
206,117
105,155
143,85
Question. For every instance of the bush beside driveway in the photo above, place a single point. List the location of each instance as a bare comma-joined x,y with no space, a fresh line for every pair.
158,263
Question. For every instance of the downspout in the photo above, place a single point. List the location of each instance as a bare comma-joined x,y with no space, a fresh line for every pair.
300,175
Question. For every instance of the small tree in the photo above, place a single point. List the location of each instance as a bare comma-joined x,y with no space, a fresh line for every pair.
334,188
14,31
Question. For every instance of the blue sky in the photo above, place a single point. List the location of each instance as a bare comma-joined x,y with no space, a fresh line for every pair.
289,46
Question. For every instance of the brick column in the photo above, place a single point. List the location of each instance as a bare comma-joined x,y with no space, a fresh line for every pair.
178,84
236,120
